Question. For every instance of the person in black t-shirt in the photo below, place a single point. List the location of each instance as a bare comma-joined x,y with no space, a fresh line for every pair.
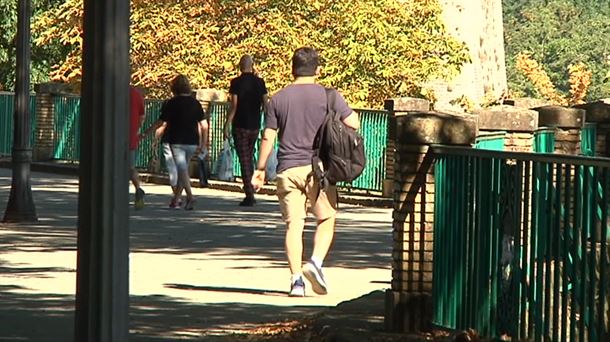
248,94
185,128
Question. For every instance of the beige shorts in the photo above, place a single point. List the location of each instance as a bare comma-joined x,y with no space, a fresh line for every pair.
297,192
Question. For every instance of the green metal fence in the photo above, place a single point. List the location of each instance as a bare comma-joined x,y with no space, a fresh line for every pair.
544,140
520,245
67,131
218,117
149,149
66,126
7,105
374,130
491,141
588,136
67,136
373,127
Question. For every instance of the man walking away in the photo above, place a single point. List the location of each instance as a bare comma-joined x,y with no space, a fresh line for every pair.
136,118
298,112
248,94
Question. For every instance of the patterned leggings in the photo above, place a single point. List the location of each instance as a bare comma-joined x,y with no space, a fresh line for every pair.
244,140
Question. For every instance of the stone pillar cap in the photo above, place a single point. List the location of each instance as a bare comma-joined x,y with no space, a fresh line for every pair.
406,104
598,111
53,88
210,95
507,118
559,116
425,127
526,102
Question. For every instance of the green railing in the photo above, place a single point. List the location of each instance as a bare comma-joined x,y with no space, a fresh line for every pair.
66,126
491,141
7,105
374,130
520,245
218,117
67,136
544,140
145,153
67,130
588,136
373,127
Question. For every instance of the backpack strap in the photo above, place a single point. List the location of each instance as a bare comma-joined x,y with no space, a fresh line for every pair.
315,160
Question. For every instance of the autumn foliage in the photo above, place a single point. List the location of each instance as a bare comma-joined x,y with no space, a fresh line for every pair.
371,49
579,79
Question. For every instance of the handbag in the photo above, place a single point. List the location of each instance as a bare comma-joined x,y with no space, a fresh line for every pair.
224,164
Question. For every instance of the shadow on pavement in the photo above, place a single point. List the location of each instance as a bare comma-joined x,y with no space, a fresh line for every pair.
50,318
217,227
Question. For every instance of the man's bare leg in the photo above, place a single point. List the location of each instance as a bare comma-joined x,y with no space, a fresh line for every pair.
323,239
135,179
294,245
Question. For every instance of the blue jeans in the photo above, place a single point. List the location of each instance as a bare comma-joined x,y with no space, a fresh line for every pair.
170,164
182,156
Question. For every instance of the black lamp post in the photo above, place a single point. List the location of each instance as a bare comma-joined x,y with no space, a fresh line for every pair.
20,207
102,276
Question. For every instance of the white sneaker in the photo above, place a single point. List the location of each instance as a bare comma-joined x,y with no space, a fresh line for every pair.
297,289
315,277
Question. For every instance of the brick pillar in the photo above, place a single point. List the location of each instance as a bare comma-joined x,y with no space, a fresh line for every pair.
519,124
409,302
206,96
599,112
44,135
568,123
397,107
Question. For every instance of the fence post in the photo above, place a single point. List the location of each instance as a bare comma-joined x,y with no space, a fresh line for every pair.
518,123
44,135
568,122
408,304
397,107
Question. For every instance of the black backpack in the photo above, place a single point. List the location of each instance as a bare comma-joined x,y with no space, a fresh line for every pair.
338,147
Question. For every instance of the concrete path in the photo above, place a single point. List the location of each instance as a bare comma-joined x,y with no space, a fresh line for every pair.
214,271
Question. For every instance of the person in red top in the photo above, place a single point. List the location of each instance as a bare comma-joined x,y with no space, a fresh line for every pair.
136,118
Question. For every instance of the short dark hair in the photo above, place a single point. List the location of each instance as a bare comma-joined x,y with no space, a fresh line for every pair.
305,62
246,63
180,85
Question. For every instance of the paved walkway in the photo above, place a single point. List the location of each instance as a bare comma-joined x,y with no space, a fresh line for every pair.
217,270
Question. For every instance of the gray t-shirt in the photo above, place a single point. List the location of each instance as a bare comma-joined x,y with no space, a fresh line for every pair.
298,111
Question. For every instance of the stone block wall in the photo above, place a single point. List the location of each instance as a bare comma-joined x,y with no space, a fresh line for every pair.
598,112
408,302
568,124
519,142
601,141
518,123
44,136
567,141
412,220
206,96
397,107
